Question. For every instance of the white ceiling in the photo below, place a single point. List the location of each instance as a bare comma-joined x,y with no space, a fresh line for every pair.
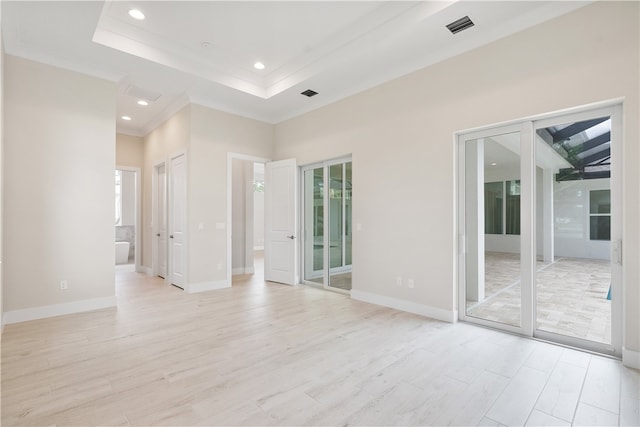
204,51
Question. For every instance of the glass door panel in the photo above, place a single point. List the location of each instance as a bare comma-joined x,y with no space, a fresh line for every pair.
492,228
327,221
335,215
313,213
348,224
340,226
574,274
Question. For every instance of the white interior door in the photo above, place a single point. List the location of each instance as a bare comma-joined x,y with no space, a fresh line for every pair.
161,232
177,220
281,201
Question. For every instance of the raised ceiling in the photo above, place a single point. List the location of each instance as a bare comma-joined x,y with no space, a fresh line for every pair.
204,51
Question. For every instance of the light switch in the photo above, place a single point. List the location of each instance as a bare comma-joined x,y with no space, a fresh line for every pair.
358,227
201,226
220,225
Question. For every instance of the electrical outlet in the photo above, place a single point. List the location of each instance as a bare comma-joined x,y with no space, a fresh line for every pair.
410,283
64,285
398,281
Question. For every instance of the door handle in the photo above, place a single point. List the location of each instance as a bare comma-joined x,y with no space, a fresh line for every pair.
291,237
171,236
158,235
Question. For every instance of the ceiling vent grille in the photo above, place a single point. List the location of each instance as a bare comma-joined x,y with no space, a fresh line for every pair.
460,25
309,93
140,93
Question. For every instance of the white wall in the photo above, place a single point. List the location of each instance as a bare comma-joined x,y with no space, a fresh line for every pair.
215,134
571,213
258,210
1,170
401,137
58,216
128,198
242,212
129,151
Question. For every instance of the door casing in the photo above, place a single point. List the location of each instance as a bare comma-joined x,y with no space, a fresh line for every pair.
326,221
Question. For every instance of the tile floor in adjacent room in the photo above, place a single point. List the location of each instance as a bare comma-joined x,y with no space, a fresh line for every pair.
261,353
571,295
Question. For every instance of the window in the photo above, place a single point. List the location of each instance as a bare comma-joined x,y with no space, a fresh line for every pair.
513,207
258,186
600,214
493,206
502,215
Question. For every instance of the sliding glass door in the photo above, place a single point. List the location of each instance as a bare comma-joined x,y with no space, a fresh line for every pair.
327,221
579,228
491,182
539,227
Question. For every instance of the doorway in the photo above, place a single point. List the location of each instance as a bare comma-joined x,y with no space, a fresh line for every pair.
539,220
127,221
327,194
247,217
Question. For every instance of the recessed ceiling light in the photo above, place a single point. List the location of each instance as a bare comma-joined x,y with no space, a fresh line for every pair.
258,66
127,118
136,14
493,164
205,44
143,103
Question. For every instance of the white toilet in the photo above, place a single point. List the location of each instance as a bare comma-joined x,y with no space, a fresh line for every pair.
122,252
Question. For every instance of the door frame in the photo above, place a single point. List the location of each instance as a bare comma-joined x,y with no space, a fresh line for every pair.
155,215
230,157
326,272
138,219
613,108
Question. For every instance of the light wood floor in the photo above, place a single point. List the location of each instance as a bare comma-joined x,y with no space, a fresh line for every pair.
268,354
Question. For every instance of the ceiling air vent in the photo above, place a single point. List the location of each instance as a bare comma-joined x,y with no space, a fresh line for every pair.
140,93
460,25
309,93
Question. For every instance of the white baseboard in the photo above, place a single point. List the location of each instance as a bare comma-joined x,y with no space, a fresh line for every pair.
630,358
207,286
404,305
26,314
146,270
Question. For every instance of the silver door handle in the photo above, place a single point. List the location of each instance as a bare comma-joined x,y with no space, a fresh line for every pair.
291,237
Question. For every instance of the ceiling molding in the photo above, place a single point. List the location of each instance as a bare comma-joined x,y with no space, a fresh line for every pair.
338,49
178,104
126,130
